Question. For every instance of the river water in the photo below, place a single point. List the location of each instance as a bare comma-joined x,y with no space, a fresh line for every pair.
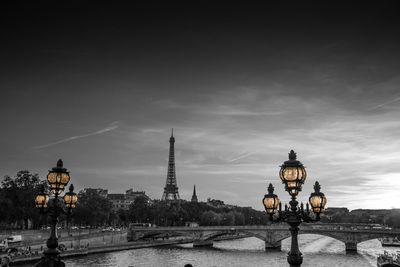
317,251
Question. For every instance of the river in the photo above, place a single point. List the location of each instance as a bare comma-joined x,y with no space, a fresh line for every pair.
317,251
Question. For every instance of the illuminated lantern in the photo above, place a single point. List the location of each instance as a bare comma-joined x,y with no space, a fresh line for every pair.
70,198
317,199
41,199
271,201
293,174
58,178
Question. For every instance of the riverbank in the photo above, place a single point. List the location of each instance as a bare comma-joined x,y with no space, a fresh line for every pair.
110,248
36,257
20,260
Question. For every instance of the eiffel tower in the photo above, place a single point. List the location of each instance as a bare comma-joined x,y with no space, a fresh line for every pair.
171,188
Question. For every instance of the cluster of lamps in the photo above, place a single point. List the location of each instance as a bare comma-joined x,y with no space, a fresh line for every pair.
58,178
293,176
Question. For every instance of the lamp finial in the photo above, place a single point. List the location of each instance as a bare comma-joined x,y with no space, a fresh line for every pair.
59,163
292,155
317,187
270,189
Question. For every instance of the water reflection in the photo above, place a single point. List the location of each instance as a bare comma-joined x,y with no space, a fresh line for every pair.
317,251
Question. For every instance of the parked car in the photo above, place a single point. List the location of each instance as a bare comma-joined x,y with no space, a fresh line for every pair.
11,250
62,247
10,241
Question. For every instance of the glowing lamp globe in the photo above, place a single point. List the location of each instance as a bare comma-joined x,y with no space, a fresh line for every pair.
317,199
58,178
271,201
70,198
293,174
41,199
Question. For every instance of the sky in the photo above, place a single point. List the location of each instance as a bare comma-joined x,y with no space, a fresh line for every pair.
100,86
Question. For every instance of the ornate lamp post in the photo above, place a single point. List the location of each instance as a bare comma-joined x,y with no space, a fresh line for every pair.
57,178
293,175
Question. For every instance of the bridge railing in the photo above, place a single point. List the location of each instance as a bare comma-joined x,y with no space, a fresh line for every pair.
280,227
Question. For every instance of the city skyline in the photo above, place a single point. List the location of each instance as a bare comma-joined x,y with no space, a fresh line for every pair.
101,86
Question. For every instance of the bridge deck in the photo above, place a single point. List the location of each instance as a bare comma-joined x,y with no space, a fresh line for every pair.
316,229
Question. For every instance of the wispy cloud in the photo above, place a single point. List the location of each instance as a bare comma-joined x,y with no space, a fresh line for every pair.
241,156
111,127
235,111
386,103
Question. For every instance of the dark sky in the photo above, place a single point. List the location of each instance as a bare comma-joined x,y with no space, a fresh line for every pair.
101,86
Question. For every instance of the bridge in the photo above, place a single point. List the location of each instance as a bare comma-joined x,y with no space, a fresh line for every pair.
272,234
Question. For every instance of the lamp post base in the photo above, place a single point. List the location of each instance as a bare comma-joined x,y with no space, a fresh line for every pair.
202,243
276,246
295,259
351,247
50,262
51,258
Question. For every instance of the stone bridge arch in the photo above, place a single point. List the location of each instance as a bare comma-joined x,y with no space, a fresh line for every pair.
272,235
135,236
273,238
258,235
213,235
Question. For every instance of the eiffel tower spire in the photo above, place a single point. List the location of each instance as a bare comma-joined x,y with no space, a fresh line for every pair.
171,188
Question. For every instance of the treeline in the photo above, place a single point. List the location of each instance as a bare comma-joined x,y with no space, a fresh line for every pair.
178,213
394,220
94,210
18,211
391,218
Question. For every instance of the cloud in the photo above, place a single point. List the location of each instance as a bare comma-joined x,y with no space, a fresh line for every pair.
241,156
386,103
111,127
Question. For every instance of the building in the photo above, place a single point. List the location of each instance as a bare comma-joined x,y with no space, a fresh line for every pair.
171,187
99,191
123,201
131,195
215,203
194,196
372,216
118,201
332,212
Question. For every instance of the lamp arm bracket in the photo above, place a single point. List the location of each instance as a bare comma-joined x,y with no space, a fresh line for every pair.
44,210
306,217
67,211
281,216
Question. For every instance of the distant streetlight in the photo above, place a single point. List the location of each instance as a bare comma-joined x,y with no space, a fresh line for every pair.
57,178
293,175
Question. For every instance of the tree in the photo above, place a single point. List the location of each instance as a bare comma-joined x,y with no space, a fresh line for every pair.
18,199
140,210
92,209
209,218
122,216
228,218
394,220
239,218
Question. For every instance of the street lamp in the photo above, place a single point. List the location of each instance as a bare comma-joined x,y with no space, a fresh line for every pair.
57,178
293,175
